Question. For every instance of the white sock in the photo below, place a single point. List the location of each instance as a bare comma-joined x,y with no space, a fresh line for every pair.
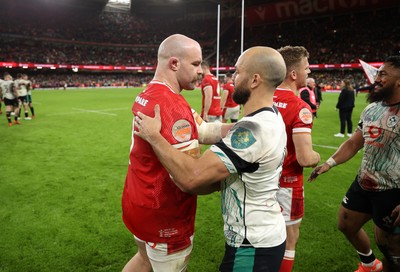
289,254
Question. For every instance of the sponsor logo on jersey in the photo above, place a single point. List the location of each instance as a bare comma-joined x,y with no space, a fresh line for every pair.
182,130
242,138
290,179
280,105
141,101
392,121
306,116
387,221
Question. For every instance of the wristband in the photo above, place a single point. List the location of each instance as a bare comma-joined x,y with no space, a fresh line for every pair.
331,162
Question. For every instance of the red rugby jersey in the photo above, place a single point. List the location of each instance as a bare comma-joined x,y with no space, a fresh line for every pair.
298,119
229,101
215,108
154,208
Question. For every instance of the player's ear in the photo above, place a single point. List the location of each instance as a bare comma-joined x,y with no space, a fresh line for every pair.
293,74
255,81
174,63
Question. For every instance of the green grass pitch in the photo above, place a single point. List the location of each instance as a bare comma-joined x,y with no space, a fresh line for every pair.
62,175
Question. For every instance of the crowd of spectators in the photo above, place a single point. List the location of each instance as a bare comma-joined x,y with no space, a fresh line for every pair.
85,80
64,80
370,36
119,38
332,79
107,28
21,50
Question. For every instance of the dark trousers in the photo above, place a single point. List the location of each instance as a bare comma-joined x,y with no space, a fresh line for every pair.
345,117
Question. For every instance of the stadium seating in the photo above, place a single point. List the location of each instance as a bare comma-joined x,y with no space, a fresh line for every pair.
118,38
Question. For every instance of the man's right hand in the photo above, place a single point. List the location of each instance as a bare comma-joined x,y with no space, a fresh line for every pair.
318,171
148,128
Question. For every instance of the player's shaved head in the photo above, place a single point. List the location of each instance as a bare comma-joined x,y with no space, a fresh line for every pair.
179,59
267,62
176,45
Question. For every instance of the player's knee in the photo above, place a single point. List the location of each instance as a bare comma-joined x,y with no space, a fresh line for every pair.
342,225
347,228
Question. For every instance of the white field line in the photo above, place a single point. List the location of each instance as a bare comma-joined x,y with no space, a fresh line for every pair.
326,146
101,111
95,111
331,147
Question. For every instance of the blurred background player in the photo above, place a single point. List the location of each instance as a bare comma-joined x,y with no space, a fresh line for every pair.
22,86
29,95
1,95
298,120
230,110
10,98
211,102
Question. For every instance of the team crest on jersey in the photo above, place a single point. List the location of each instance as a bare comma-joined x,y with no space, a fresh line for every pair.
392,121
242,138
306,116
182,130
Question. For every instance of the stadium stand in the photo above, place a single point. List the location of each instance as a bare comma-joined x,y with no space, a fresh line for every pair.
124,38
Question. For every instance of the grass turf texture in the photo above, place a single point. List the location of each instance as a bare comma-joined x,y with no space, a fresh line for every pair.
62,175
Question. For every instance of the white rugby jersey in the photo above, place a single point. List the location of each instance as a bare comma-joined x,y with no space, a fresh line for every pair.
30,84
22,86
253,152
380,166
7,88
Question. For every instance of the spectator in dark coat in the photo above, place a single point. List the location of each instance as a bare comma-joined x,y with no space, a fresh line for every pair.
345,106
318,93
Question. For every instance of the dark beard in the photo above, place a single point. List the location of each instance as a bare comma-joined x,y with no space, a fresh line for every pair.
381,95
240,96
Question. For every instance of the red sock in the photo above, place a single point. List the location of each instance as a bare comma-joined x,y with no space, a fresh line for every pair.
288,261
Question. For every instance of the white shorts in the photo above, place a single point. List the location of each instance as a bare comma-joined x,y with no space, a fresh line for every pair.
214,119
232,113
161,261
291,201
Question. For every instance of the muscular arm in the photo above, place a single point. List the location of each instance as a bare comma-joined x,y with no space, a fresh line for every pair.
224,96
305,154
349,148
208,92
345,152
189,174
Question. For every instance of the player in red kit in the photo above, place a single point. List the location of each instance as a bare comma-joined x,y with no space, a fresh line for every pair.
230,110
211,102
298,120
155,210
